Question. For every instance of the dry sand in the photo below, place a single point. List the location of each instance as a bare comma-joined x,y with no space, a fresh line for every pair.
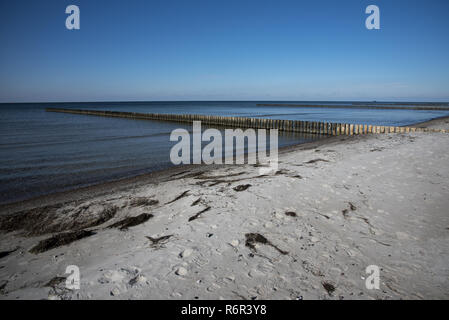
307,232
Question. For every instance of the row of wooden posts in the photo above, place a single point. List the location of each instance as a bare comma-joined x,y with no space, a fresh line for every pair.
314,127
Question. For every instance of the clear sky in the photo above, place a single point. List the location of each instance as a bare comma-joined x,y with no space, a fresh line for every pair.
224,50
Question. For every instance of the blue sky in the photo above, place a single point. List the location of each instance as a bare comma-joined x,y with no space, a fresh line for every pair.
224,50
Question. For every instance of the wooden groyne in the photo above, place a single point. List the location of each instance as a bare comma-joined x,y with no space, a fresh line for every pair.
384,107
314,127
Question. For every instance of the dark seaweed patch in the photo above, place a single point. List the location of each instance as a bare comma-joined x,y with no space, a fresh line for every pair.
242,187
45,220
55,282
158,242
330,288
204,177
6,253
352,207
59,240
28,219
132,221
182,195
282,171
196,202
316,160
196,216
253,238
139,202
3,284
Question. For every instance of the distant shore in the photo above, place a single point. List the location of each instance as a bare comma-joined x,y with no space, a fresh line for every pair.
386,106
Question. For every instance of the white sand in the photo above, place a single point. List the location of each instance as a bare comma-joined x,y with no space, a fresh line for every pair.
398,185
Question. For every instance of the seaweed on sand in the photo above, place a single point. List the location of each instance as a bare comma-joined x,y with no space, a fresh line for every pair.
316,160
3,284
330,288
43,220
205,177
28,220
6,253
352,206
60,239
242,187
253,238
141,201
182,195
159,242
131,221
54,282
196,216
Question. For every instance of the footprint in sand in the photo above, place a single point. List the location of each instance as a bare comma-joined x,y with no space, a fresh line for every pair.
234,243
115,292
139,279
200,262
256,273
119,276
181,271
112,276
213,287
186,253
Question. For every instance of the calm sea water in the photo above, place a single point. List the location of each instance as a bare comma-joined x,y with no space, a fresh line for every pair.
44,152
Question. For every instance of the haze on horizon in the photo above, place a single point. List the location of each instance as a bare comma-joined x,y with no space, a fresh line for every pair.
224,50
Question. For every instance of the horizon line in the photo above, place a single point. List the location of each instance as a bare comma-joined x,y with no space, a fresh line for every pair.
243,100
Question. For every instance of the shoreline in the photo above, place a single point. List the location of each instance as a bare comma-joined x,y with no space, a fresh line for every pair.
104,188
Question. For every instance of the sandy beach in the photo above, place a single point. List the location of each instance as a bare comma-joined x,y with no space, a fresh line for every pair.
308,231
